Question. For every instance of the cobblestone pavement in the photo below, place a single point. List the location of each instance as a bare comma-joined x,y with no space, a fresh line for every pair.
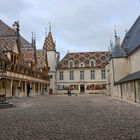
83,117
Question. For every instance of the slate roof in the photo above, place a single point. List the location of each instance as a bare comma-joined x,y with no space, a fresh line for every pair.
118,52
131,77
5,30
84,57
132,38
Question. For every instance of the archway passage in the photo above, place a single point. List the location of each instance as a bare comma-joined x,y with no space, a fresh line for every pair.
28,89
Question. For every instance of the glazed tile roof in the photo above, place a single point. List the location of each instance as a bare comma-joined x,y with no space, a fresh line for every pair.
7,43
29,56
8,40
48,43
41,58
84,57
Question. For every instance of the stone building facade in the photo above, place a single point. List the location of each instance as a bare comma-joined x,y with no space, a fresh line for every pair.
23,69
123,69
82,72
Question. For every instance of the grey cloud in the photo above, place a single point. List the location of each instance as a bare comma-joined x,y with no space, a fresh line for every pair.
76,25
13,8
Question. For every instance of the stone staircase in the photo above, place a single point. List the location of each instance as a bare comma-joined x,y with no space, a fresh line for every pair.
5,104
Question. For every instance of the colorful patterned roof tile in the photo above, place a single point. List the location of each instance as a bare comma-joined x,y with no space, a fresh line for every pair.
84,58
41,59
48,43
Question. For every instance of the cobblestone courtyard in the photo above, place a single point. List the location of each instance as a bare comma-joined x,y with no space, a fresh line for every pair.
83,117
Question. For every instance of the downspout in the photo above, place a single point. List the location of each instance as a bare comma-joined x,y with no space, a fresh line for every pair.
113,71
135,92
121,91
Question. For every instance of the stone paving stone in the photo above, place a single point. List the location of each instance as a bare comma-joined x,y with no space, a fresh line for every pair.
62,117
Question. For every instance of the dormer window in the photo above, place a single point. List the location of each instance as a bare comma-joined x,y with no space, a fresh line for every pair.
92,63
71,64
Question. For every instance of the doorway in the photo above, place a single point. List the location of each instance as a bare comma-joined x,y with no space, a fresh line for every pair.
50,91
28,89
82,88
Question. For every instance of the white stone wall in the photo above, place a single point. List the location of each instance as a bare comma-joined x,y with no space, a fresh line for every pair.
135,61
119,68
52,60
87,79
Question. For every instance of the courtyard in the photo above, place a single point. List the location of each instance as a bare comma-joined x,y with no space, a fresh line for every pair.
62,117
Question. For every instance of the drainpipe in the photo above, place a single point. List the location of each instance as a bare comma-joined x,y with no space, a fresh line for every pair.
135,92
121,91
113,71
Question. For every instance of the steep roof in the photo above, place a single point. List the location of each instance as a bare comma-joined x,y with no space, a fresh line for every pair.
41,58
5,30
132,39
84,57
118,52
8,40
49,43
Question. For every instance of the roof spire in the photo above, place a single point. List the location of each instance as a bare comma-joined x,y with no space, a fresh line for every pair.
49,26
32,40
115,32
45,32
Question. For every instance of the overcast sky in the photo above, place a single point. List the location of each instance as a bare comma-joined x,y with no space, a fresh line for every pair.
77,25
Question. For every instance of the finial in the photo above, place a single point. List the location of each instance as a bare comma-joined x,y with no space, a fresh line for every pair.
111,43
45,32
32,35
126,31
115,32
34,40
49,26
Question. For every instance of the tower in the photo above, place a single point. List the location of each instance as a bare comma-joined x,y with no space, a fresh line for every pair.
52,57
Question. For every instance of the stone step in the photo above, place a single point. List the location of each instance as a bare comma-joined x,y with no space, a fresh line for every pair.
5,104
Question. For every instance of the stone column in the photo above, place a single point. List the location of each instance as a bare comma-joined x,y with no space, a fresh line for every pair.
11,87
25,93
19,88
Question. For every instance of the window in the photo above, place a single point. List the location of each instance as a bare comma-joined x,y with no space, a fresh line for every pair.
71,64
103,74
81,75
92,63
92,74
61,77
71,75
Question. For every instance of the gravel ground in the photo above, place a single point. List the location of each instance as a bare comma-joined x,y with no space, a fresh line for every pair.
62,117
